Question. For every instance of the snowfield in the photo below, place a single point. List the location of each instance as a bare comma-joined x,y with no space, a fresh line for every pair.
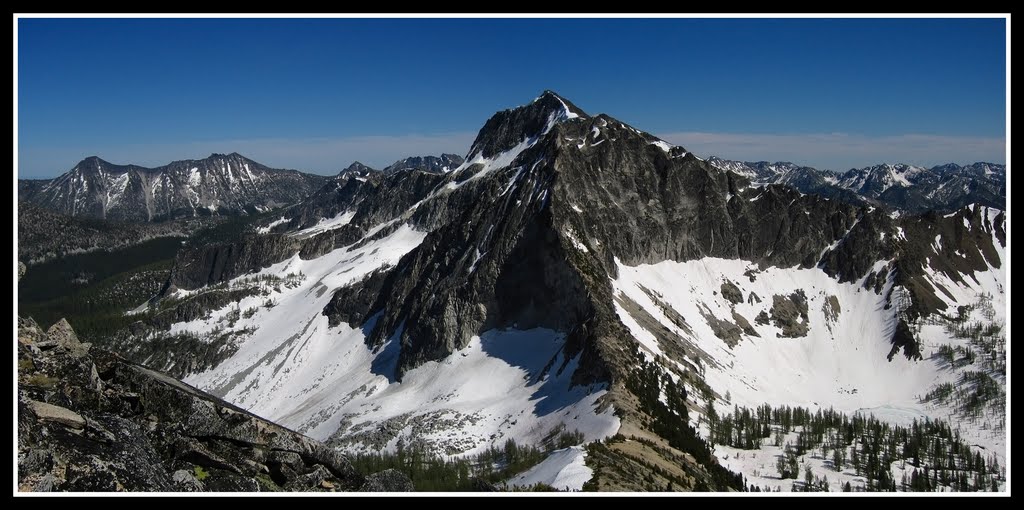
323,225
839,363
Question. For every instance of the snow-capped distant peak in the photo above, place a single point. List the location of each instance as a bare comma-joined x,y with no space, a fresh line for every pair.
444,163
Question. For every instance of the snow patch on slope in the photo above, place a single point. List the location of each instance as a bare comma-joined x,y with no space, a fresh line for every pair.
266,229
326,224
663,145
564,469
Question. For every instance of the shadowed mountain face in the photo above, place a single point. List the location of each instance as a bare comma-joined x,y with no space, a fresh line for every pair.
905,188
643,265
218,185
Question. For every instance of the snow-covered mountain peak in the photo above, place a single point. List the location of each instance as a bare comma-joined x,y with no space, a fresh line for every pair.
550,97
357,168
94,165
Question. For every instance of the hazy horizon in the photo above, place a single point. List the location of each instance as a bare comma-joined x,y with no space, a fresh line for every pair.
317,94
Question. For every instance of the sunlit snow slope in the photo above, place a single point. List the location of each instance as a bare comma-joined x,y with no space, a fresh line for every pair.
841,362
564,469
326,382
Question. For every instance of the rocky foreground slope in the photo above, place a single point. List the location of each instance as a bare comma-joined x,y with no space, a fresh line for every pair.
89,420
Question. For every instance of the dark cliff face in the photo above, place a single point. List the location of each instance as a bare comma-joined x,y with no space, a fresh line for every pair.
493,260
199,265
91,421
629,198
533,244
218,185
955,245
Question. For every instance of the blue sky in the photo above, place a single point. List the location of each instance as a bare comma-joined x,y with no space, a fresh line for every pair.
316,94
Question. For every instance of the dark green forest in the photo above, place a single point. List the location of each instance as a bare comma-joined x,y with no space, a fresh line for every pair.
484,471
94,290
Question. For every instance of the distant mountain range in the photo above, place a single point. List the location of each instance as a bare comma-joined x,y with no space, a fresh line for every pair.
443,164
218,185
227,185
907,188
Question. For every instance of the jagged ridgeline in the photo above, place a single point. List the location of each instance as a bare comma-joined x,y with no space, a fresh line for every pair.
903,188
575,273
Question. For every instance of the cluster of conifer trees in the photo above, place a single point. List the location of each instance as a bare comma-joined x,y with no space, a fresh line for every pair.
930,451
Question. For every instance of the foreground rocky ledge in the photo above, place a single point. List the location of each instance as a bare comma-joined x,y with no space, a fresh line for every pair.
89,420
